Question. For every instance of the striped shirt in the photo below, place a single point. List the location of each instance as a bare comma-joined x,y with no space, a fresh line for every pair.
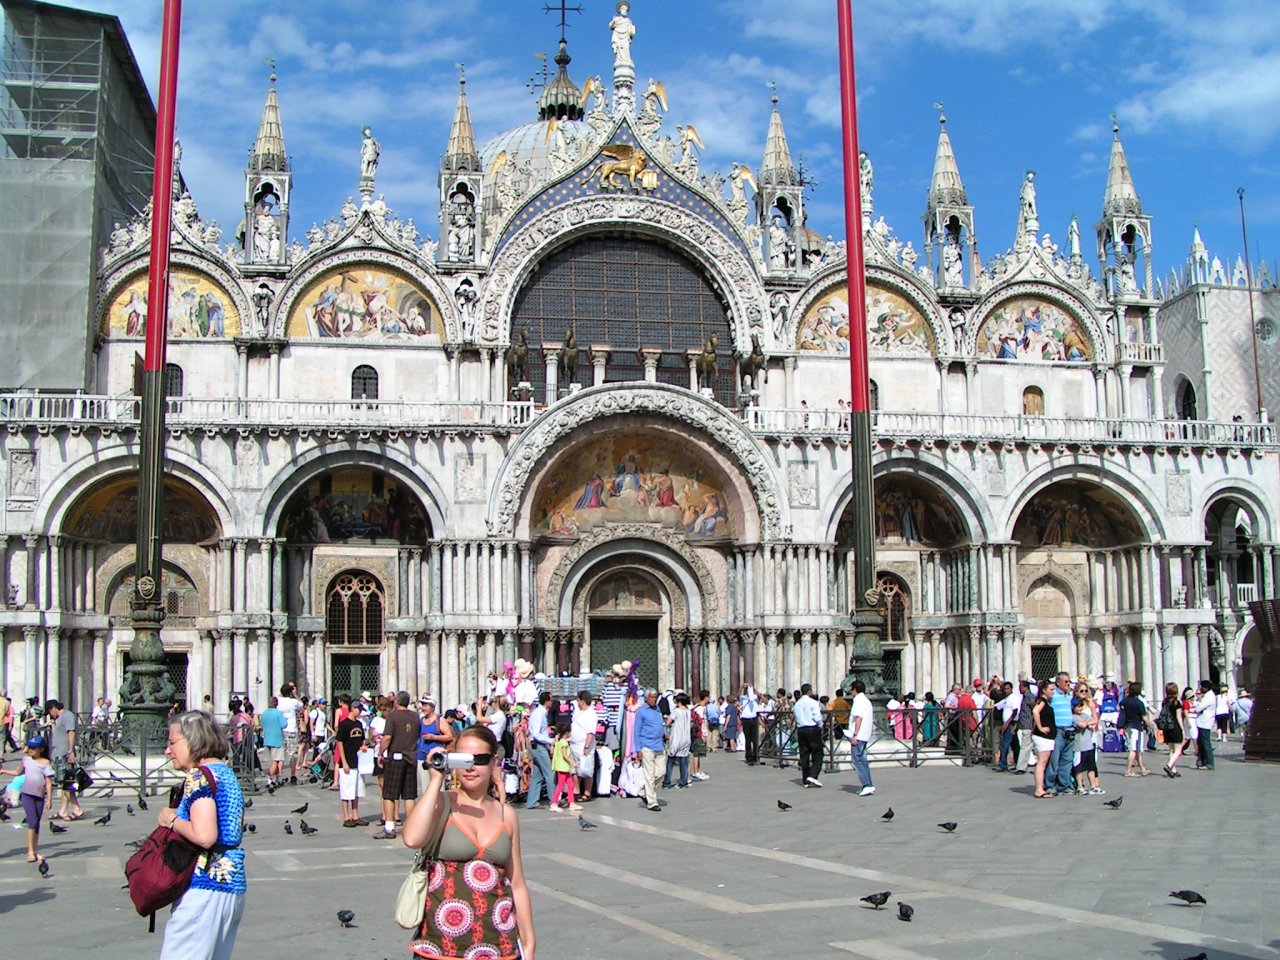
612,699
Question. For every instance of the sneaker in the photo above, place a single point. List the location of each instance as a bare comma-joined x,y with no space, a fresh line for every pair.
1081,792
867,792
655,808
701,776
385,835
814,782
361,822
1098,792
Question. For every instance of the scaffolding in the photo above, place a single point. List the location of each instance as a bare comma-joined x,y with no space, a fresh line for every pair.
77,129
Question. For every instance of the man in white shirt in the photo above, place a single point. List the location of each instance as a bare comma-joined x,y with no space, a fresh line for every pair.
582,742
861,718
749,714
290,706
1009,706
808,717
1206,708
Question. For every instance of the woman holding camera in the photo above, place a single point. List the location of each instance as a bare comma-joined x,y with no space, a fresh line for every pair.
476,895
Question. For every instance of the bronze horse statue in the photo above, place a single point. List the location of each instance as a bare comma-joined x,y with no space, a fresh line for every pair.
518,358
753,363
707,363
567,359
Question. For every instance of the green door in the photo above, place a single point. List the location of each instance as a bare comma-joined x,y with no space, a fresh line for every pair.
631,638
352,673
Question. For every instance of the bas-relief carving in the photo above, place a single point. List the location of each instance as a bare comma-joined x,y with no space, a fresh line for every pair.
632,531
537,443
802,484
469,478
199,308
1178,493
23,480
732,269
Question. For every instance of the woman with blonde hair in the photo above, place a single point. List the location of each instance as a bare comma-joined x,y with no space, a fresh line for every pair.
209,815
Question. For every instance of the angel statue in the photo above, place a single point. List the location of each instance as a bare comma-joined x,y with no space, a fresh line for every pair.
688,140
655,94
866,178
740,173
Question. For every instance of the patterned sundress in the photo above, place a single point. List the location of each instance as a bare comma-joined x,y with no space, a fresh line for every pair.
469,910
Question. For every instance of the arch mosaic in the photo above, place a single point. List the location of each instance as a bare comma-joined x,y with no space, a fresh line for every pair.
305,466
1076,513
707,418
692,581
349,504
107,511
288,312
731,269
1036,322
201,307
365,302
902,320
1125,486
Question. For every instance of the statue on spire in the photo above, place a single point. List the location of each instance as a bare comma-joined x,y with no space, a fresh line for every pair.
370,150
623,30
1030,218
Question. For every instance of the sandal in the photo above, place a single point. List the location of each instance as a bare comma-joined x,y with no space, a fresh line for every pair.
1043,796
33,859
74,816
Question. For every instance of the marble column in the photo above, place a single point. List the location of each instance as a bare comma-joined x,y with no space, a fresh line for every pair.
208,673
806,657
695,662
735,667
53,663
677,644
261,658
240,667
599,359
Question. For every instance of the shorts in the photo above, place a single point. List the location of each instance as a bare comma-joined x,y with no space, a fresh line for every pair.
62,773
274,754
1223,722
399,780
1087,761
350,784
698,748
290,746
1134,740
1043,747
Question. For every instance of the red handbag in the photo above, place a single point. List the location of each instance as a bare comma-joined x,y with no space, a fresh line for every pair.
160,872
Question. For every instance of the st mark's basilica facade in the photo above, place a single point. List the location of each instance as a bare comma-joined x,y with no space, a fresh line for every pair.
596,413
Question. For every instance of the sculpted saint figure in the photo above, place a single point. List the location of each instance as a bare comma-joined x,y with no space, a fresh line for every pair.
370,150
623,30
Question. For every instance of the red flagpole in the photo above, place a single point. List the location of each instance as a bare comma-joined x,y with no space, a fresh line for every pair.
859,370
162,192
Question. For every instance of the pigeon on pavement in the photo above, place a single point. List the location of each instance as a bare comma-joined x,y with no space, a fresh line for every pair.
887,815
307,829
1114,804
251,827
142,802
1189,897
905,910
584,823
948,826
44,867
128,808
248,802
878,900
103,820
288,829
57,828
784,807
345,917
301,810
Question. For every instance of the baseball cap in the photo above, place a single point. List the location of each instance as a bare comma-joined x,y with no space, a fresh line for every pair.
322,700
356,705
426,700
36,741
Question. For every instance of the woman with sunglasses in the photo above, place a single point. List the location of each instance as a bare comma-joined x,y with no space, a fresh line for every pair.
477,899
1044,731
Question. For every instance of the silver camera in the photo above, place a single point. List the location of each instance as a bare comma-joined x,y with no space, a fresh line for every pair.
440,760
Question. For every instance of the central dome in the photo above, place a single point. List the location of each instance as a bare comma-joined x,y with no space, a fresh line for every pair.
532,144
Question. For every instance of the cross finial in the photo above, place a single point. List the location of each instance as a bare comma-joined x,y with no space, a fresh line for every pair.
564,10
773,85
271,62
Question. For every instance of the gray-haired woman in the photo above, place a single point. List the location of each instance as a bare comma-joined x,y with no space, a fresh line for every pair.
209,815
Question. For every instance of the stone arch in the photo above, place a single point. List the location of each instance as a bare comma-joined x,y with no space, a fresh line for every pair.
1075,308
135,268
974,509
80,476
724,262
672,597
428,281
1249,498
906,286
1136,496
307,466
117,569
663,549
686,416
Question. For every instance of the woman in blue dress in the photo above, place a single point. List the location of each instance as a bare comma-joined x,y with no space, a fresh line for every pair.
205,919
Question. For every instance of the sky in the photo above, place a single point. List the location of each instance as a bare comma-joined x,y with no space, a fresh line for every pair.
1026,85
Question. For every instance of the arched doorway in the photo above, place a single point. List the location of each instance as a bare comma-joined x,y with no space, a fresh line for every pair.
1232,563
355,614
1049,614
627,619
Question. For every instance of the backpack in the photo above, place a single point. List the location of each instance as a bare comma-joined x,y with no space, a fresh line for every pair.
695,725
160,872
1167,720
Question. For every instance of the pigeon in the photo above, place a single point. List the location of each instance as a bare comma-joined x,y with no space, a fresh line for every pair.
301,810
271,789
887,815
128,808
103,820
1190,897
251,827
142,802
948,826
135,843
784,807
109,794
584,823
1113,804
905,910
248,803
345,917
307,829
57,828
288,829
1199,956
44,867
878,900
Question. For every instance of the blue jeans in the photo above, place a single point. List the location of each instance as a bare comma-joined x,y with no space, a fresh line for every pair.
1058,774
540,777
860,764
1008,748
677,762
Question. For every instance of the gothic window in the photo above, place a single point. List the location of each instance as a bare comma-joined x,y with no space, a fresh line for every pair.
626,293
893,610
173,380
875,395
1186,401
1033,402
355,610
364,383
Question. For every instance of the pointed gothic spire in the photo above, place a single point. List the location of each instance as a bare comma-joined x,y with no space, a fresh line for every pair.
777,168
561,98
461,155
1121,197
268,150
1197,245
945,187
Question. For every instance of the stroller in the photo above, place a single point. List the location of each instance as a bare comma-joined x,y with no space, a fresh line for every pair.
322,767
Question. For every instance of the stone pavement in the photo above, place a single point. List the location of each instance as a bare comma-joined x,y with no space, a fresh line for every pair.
721,873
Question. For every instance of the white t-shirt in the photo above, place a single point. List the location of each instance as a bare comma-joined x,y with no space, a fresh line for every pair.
317,724
1206,707
497,724
861,707
583,728
376,728
290,707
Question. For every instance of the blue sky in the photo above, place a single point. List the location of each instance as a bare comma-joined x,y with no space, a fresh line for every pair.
1027,84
